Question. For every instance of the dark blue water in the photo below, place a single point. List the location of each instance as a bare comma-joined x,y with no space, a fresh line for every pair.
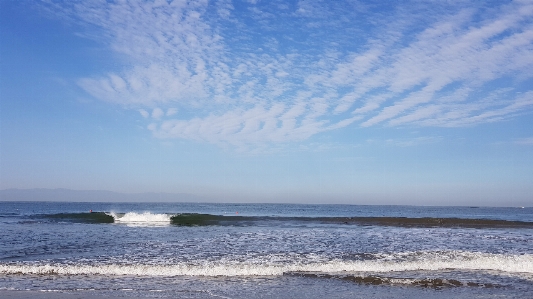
266,251
32,208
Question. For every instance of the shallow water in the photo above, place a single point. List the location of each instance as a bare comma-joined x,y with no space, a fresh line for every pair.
265,251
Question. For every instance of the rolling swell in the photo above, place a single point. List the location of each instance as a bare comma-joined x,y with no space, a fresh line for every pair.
432,222
196,219
193,219
94,217
209,219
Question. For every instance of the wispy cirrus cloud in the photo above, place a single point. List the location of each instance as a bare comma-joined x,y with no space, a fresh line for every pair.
524,141
261,72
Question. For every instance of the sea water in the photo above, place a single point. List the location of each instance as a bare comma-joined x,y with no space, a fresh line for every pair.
201,250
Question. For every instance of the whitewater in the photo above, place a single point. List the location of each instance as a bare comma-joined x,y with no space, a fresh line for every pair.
146,218
192,250
519,265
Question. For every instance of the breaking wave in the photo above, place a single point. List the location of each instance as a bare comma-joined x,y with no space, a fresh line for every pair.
141,218
194,219
104,217
269,266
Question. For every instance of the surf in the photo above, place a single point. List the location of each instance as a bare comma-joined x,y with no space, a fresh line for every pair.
197,219
514,265
145,218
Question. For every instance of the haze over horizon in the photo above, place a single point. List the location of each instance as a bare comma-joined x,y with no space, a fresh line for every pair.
301,101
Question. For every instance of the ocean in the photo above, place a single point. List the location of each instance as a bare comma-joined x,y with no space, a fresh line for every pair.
208,250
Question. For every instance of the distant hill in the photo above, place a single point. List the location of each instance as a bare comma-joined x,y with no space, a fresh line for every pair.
91,195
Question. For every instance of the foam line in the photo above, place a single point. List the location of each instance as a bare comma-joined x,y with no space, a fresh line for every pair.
146,217
423,262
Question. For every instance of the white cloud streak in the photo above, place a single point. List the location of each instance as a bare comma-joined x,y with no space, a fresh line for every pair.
309,67
525,141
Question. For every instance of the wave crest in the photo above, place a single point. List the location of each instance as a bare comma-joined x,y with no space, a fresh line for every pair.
415,261
141,218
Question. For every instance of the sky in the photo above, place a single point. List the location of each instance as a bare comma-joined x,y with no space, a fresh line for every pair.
309,101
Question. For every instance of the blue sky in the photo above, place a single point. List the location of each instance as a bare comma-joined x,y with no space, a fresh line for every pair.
394,102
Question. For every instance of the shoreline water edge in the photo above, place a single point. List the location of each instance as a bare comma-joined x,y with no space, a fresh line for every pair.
196,250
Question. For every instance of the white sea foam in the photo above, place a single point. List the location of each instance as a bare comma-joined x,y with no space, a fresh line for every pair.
145,218
425,261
